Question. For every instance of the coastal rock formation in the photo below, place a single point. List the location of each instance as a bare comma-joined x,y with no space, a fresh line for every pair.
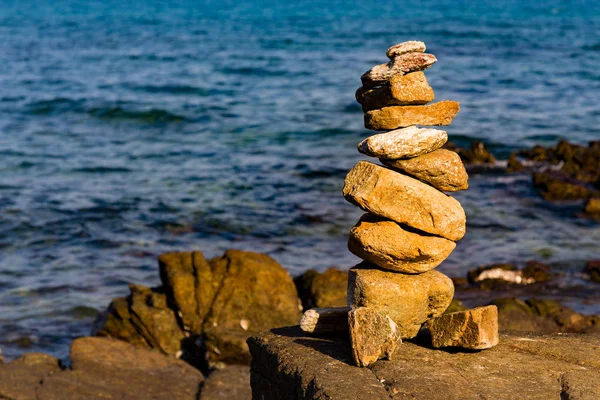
386,244
373,335
402,90
288,364
405,200
442,169
409,300
475,329
403,143
205,307
394,117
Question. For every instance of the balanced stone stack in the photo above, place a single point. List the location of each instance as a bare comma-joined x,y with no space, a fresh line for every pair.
411,226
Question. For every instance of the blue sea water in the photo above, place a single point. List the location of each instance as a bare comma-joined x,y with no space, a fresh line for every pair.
128,129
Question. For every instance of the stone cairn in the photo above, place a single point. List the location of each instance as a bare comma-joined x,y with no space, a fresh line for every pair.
410,227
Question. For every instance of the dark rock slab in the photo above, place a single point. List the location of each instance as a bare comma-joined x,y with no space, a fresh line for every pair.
287,364
229,383
528,366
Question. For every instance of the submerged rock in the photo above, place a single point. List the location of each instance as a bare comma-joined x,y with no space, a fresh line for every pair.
321,290
394,117
478,154
556,185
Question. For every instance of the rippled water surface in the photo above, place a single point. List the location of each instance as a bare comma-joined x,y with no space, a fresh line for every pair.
128,129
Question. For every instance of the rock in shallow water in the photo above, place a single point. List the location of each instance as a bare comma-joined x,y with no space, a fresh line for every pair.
405,200
373,335
386,244
402,90
400,65
442,169
395,117
409,300
475,329
403,143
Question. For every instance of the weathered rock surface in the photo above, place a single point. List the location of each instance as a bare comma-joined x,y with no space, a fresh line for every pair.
403,143
402,90
290,365
557,185
386,244
592,207
409,300
207,308
20,379
229,383
592,267
475,329
321,290
442,169
400,65
405,200
373,335
394,117
412,46
478,154
324,321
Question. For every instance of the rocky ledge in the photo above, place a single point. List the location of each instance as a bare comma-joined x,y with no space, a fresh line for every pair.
288,364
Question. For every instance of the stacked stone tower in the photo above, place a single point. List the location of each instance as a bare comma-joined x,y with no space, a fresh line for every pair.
411,226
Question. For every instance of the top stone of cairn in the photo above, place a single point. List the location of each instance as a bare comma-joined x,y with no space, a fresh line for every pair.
412,46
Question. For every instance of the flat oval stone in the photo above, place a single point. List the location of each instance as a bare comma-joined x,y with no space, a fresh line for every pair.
412,46
405,200
403,143
409,300
442,169
395,117
386,244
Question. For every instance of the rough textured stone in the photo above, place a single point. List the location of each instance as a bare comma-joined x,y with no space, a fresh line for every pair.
394,117
320,290
592,206
400,65
475,329
409,300
412,46
255,294
180,274
403,143
401,90
442,169
521,366
373,335
386,244
229,383
478,154
21,378
116,322
104,368
405,200
319,321
288,364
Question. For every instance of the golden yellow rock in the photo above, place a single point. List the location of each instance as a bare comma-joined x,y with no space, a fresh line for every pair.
400,65
402,90
373,335
395,117
386,244
475,329
409,300
392,195
442,169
